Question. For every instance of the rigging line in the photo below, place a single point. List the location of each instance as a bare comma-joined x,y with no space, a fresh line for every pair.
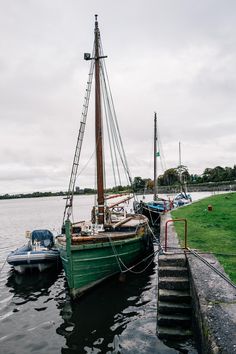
70,193
125,163
116,132
106,107
150,163
113,130
116,142
109,140
162,155
114,139
160,150
85,166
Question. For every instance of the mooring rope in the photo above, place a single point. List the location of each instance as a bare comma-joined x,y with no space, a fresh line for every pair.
222,275
150,214
3,265
130,269
115,253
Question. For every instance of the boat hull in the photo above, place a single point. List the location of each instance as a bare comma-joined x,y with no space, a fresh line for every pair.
89,264
24,258
153,214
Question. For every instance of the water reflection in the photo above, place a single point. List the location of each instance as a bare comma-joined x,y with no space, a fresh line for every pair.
94,323
24,285
37,315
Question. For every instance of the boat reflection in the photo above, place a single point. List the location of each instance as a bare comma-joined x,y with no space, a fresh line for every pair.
32,282
95,321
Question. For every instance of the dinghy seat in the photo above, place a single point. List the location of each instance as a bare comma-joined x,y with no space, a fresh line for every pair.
45,237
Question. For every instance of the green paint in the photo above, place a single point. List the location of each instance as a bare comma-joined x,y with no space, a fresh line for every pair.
87,264
212,231
67,256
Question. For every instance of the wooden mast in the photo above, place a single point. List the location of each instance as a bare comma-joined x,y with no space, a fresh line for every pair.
98,128
155,157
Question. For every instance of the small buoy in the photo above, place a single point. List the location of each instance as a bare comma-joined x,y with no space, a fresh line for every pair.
122,277
209,208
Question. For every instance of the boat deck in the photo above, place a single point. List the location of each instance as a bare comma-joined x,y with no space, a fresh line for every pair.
120,229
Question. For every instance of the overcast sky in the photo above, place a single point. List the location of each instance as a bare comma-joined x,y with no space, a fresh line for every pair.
175,57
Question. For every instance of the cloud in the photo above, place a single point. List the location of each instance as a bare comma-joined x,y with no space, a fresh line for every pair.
174,58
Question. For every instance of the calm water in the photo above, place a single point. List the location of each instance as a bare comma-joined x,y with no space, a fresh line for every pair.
36,313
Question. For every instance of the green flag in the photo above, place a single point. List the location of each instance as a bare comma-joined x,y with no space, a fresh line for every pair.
157,154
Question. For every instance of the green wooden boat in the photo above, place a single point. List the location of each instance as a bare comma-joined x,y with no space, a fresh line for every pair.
113,239
89,260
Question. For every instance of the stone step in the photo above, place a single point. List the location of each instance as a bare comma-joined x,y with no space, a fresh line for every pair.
173,283
174,308
174,296
172,271
177,260
167,320
173,333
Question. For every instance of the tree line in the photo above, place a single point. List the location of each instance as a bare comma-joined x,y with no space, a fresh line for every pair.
170,177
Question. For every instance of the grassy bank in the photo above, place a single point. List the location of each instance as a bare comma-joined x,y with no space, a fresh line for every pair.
212,231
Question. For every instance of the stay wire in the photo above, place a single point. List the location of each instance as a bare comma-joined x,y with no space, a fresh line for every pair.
115,120
110,130
213,268
114,126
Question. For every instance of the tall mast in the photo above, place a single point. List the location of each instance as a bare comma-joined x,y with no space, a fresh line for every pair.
155,157
98,127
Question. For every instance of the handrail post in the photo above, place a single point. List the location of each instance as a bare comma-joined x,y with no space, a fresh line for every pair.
185,234
185,231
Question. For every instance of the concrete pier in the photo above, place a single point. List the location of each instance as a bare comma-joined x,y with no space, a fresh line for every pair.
213,299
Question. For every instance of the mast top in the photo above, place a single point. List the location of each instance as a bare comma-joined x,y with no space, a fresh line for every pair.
96,22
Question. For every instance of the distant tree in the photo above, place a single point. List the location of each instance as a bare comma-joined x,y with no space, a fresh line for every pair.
149,183
183,173
89,191
194,178
207,175
234,172
218,174
138,184
170,176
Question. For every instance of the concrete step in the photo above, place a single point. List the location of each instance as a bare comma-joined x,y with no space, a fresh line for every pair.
174,296
173,283
170,320
174,308
177,260
173,333
172,271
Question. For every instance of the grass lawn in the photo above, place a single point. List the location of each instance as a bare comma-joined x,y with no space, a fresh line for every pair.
212,231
